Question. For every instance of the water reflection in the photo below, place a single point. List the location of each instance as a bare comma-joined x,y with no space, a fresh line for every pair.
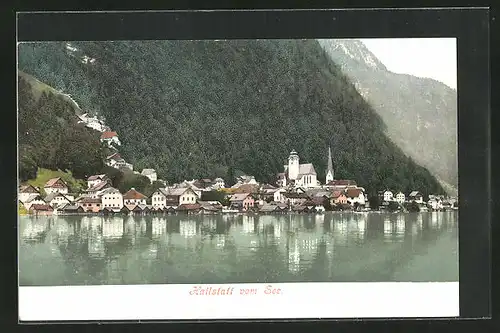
218,249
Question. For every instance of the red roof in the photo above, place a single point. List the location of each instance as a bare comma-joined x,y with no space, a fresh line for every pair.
353,192
108,135
341,182
133,194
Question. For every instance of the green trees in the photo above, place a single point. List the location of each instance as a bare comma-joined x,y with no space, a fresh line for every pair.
193,109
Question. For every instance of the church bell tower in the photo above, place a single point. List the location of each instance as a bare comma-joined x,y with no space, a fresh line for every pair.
329,170
293,165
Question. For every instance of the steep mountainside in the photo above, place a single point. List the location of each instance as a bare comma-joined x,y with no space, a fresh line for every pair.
194,109
49,135
420,113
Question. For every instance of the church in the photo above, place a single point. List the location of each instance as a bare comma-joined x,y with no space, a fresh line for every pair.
302,175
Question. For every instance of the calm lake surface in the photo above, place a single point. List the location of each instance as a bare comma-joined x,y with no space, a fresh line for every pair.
336,247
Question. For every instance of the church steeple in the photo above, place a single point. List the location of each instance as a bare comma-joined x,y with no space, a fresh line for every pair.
329,170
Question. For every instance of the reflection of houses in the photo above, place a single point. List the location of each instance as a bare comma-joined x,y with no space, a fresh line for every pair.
33,228
187,228
112,229
158,227
248,224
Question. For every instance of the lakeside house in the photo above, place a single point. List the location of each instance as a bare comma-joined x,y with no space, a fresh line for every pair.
388,196
416,197
338,198
242,201
133,197
41,210
90,205
173,197
112,199
400,198
56,185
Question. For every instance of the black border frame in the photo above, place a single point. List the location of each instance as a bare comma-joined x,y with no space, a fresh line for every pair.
469,25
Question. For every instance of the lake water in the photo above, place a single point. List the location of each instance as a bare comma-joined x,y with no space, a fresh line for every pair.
337,247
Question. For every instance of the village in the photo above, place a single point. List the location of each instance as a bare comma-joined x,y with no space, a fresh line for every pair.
297,190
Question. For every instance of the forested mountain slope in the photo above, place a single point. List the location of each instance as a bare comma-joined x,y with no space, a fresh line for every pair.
195,109
49,135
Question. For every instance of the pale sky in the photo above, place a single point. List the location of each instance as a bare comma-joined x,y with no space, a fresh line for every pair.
434,58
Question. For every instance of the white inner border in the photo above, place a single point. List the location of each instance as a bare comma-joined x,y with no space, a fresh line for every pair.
296,300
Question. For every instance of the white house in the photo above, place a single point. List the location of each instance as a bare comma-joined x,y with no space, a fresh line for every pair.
219,183
26,192
416,196
388,196
435,203
278,195
400,197
55,199
355,196
33,199
151,174
95,191
159,198
302,175
56,185
133,197
112,198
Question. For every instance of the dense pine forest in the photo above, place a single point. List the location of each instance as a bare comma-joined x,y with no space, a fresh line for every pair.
192,109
